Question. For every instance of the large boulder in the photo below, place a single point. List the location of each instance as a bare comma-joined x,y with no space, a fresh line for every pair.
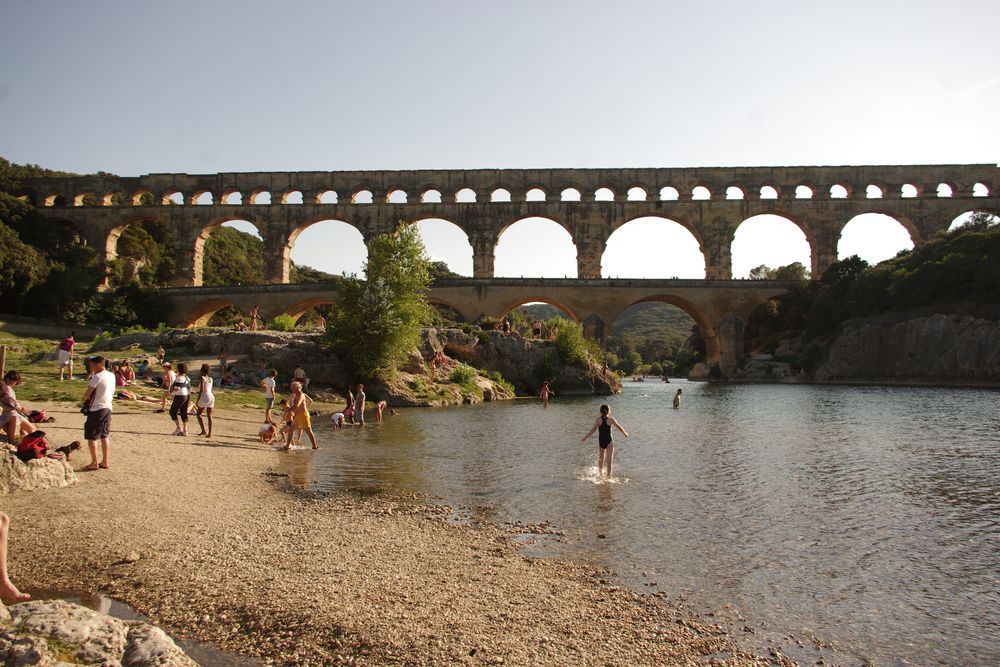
56,632
16,475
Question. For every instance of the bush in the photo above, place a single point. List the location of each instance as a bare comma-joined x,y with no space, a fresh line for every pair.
283,323
463,374
572,346
500,380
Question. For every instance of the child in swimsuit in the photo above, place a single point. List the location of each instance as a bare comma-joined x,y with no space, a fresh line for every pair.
603,426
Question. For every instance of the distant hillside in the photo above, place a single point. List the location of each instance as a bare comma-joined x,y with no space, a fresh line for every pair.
653,320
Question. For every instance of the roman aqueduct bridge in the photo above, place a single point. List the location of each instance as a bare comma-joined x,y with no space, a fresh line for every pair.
590,204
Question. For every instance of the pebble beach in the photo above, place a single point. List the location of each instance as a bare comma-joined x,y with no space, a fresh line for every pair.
209,541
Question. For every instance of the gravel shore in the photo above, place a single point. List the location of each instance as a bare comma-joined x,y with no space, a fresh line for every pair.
228,556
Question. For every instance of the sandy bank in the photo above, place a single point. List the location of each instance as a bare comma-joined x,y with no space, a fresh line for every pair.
228,557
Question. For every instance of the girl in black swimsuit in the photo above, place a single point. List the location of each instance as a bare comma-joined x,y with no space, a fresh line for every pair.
603,426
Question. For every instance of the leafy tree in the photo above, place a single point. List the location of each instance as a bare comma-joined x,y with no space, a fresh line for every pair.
377,321
789,272
440,269
21,268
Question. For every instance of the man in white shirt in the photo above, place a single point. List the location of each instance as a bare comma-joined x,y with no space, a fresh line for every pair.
100,392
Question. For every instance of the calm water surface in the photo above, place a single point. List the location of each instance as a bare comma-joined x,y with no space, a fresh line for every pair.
865,517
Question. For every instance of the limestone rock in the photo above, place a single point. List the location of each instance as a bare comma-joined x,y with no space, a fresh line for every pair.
56,632
16,475
928,348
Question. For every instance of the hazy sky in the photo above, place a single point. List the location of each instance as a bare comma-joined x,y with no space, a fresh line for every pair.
200,87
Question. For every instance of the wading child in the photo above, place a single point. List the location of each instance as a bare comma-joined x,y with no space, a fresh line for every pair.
286,419
603,426
300,412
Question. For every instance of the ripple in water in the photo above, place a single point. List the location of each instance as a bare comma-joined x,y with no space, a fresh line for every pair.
864,516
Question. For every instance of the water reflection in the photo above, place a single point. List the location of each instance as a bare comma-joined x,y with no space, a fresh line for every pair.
864,515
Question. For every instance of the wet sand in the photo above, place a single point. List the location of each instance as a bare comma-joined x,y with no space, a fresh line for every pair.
228,556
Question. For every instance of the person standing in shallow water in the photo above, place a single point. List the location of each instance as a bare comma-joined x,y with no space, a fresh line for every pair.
677,399
603,424
545,393
359,405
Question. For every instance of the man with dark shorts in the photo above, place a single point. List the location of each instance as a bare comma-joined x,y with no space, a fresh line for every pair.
100,392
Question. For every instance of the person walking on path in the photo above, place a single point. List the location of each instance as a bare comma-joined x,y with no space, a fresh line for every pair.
180,389
545,393
603,425
65,354
8,591
97,400
300,413
359,405
268,384
206,400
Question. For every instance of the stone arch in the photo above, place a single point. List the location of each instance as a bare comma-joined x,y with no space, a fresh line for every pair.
769,192
327,196
876,248
200,314
257,193
539,298
669,193
466,196
27,196
909,191
611,266
172,196
535,192
85,199
298,309
575,193
362,196
143,198
980,189
110,245
431,196
227,197
292,196
396,195
605,193
541,248
198,197
500,194
432,299
810,255
197,251
113,198
638,193
946,189
736,191
341,226
963,217
701,192
713,348
805,191
876,190
439,242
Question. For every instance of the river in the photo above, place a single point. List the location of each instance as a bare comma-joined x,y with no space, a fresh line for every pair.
861,521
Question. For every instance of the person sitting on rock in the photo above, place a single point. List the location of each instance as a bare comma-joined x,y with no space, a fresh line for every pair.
14,418
8,591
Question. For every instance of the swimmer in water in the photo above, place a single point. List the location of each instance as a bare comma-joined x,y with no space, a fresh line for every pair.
677,399
603,424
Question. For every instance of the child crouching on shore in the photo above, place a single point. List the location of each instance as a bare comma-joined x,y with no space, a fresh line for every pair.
267,433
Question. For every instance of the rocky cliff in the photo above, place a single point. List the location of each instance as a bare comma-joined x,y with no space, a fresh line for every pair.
961,348
524,362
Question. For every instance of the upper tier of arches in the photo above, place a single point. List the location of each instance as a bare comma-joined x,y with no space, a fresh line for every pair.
400,188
